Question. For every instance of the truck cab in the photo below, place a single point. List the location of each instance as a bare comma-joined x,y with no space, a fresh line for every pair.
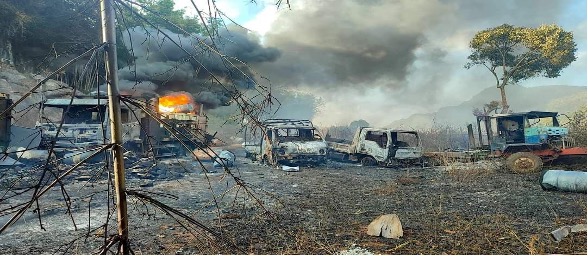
533,130
81,122
288,141
526,139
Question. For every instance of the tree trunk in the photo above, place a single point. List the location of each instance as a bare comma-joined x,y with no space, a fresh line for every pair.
505,105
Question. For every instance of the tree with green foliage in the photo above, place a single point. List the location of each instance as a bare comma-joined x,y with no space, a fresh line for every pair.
161,13
38,32
513,54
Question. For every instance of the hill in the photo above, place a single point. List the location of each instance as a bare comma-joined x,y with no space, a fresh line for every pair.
561,98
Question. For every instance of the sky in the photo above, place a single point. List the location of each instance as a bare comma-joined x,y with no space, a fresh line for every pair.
383,60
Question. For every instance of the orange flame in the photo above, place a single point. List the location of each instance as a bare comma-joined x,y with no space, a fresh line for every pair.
177,102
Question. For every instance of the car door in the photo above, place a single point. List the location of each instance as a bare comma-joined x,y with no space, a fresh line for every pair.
374,144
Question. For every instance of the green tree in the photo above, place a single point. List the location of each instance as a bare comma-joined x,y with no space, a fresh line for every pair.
161,13
40,31
513,54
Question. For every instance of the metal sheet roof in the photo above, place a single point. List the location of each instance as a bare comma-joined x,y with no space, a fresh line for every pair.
532,114
288,123
78,102
391,130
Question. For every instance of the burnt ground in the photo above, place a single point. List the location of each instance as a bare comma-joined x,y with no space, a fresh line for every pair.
459,209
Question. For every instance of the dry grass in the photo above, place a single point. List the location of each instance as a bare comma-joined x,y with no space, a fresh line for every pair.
467,172
408,180
386,190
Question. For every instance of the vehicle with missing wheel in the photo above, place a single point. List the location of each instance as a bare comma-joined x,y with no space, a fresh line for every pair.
287,141
379,146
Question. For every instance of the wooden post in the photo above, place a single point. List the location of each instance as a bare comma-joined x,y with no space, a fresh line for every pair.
471,138
109,37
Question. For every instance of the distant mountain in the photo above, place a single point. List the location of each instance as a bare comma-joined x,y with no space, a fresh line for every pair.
559,98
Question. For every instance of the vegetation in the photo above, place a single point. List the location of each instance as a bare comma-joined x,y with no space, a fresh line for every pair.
514,54
34,30
345,133
488,108
577,126
444,138
161,13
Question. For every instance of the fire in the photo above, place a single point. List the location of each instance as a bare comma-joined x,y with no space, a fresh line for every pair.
177,102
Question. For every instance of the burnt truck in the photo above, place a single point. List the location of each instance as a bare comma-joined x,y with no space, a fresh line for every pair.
287,141
527,139
186,126
83,124
379,146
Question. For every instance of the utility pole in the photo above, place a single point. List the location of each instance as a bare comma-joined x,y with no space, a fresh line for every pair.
109,37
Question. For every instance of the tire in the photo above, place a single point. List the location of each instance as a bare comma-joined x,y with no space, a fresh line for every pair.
524,162
368,161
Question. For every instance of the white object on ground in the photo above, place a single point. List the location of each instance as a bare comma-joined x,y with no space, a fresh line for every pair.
388,226
290,168
225,158
562,232
570,181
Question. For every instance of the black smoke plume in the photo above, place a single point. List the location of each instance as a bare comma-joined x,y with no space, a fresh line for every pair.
211,69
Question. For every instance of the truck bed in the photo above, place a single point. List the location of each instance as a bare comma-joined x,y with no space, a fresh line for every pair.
339,147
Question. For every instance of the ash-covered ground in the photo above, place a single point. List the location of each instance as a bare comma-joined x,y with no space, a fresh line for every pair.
475,208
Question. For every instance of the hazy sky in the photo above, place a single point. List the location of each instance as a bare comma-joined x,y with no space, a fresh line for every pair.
382,60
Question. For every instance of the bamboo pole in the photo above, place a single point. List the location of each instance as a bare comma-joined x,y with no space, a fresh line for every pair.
109,37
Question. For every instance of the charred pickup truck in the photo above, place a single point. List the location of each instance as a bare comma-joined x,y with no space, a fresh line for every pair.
384,147
288,141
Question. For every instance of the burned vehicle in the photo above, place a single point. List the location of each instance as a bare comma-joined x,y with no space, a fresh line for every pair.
79,123
384,147
287,141
527,139
174,122
185,126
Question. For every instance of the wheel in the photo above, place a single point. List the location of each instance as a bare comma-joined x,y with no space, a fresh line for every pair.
524,162
368,161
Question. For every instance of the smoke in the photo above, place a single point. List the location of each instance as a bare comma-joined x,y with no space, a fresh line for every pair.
348,43
210,98
385,60
197,66
127,87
